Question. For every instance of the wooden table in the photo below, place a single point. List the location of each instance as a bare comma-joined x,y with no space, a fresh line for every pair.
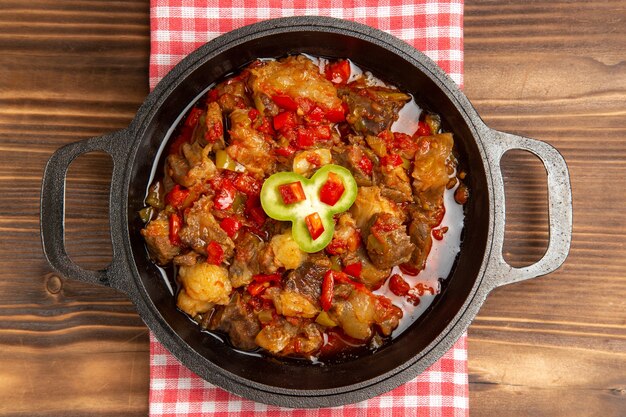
555,71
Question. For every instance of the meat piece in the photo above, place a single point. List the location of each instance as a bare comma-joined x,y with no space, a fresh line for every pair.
346,238
213,127
192,167
201,228
276,336
284,338
156,235
430,176
248,146
307,279
361,162
246,261
372,109
369,201
386,240
231,94
371,276
206,282
387,316
238,321
308,340
295,76
421,237
396,184
360,311
292,304
188,259
430,172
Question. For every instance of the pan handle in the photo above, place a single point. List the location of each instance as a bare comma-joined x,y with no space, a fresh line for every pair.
52,219
559,208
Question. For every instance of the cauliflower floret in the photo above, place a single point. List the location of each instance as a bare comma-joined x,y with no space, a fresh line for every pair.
287,253
206,282
190,305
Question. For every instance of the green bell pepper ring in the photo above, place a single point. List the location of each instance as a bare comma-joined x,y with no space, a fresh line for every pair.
276,208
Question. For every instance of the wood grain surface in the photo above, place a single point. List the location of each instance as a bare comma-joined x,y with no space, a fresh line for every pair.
551,346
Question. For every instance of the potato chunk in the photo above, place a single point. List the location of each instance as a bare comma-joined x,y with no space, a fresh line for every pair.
206,282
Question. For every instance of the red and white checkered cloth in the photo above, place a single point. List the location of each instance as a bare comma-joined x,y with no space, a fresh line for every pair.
435,27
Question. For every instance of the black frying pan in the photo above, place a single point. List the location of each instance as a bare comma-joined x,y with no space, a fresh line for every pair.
480,266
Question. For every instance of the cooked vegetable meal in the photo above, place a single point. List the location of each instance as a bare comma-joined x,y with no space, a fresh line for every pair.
296,210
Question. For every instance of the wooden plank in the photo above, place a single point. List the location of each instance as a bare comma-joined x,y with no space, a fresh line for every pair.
556,72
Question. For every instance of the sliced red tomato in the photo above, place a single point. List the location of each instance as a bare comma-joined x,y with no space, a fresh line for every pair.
332,190
292,192
314,224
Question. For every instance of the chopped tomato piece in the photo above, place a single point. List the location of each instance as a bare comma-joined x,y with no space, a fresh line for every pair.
253,114
292,192
409,269
392,160
314,224
398,285
176,197
286,151
286,120
256,288
174,221
247,184
257,215
322,132
422,129
285,102
305,138
328,286
338,72
267,278
316,114
332,190
213,96
365,164
193,117
438,233
230,225
214,253
354,269
336,115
